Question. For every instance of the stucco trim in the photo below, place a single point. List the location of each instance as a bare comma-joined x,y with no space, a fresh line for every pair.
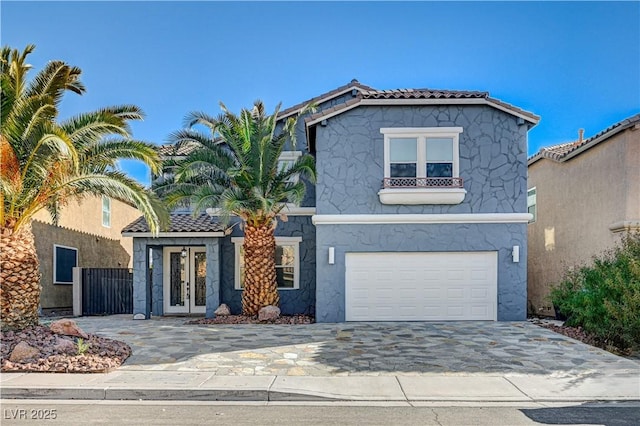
382,219
447,101
287,210
173,234
417,196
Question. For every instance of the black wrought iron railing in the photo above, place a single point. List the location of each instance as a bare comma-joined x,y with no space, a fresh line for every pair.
439,182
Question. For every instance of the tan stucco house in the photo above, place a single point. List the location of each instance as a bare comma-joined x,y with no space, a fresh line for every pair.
584,195
87,235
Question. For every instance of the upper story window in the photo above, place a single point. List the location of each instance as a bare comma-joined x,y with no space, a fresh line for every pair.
106,211
425,159
287,158
532,204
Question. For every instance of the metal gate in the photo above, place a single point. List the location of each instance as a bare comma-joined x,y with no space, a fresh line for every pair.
107,291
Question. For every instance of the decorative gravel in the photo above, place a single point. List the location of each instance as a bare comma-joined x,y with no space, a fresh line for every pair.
244,319
580,334
102,355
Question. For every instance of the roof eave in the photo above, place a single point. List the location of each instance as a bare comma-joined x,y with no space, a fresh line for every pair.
531,118
603,137
192,234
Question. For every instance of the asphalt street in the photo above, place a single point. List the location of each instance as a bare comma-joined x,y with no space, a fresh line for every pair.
21,412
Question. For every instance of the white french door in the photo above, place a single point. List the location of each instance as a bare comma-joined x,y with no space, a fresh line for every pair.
184,276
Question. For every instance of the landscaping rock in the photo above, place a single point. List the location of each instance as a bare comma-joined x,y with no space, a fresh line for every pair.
22,352
242,319
223,310
65,346
268,313
67,327
102,354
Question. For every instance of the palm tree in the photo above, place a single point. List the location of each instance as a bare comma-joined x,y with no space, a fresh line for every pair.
45,163
235,167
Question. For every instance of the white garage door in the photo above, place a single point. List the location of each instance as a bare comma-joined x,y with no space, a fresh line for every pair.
421,286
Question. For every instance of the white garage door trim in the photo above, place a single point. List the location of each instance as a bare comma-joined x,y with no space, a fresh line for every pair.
421,286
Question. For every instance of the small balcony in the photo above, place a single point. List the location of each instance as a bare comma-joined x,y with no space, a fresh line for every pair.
416,191
438,182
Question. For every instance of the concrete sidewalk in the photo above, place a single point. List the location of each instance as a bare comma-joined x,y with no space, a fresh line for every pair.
202,386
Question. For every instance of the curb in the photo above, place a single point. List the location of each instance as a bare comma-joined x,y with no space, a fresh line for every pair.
257,395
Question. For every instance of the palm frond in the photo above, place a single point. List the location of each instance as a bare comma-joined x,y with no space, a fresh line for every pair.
236,167
105,154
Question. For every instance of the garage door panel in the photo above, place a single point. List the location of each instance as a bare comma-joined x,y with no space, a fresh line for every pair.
421,286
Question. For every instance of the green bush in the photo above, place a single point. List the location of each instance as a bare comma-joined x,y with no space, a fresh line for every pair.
604,298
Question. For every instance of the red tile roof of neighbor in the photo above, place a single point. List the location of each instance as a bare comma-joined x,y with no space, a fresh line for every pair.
179,223
565,151
364,94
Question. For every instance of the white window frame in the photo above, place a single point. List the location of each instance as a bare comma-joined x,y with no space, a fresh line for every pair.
532,201
419,195
290,156
107,211
55,263
421,134
290,241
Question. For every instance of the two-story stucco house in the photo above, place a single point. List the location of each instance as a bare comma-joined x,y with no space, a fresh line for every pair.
585,195
419,213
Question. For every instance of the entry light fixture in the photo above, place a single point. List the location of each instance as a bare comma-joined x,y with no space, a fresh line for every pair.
515,253
183,253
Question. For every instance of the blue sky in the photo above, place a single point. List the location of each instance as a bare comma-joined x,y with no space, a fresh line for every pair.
576,64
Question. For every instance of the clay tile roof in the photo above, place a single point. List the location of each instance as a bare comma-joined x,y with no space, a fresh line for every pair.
561,152
353,84
170,150
179,223
423,94
411,94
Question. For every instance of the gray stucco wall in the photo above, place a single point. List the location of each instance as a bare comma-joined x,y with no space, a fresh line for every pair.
512,290
150,301
291,301
350,163
350,159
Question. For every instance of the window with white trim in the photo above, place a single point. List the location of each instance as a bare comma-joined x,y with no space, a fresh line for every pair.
532,204
286,159
287,259
421,166
418,157
106,211
64,260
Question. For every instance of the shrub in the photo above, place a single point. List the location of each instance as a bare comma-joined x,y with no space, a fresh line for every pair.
82,346
604,297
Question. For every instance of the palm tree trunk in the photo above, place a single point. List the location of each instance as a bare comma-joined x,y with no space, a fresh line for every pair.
260,286
19,278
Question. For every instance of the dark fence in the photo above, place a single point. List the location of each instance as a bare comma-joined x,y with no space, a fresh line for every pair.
107,291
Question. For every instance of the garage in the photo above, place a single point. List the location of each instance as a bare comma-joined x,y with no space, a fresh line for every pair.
421,286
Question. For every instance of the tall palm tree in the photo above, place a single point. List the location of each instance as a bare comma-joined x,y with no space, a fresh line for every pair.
45,163
235,167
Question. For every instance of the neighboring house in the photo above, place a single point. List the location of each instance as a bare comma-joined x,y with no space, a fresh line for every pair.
584,195
419,213
87,235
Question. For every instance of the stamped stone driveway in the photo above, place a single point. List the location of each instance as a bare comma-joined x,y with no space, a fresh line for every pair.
356,349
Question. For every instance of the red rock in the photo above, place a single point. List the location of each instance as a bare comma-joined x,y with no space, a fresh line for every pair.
65,346
67,327
22,352
269,313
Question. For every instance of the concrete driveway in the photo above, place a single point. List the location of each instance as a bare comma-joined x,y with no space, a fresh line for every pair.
356,349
